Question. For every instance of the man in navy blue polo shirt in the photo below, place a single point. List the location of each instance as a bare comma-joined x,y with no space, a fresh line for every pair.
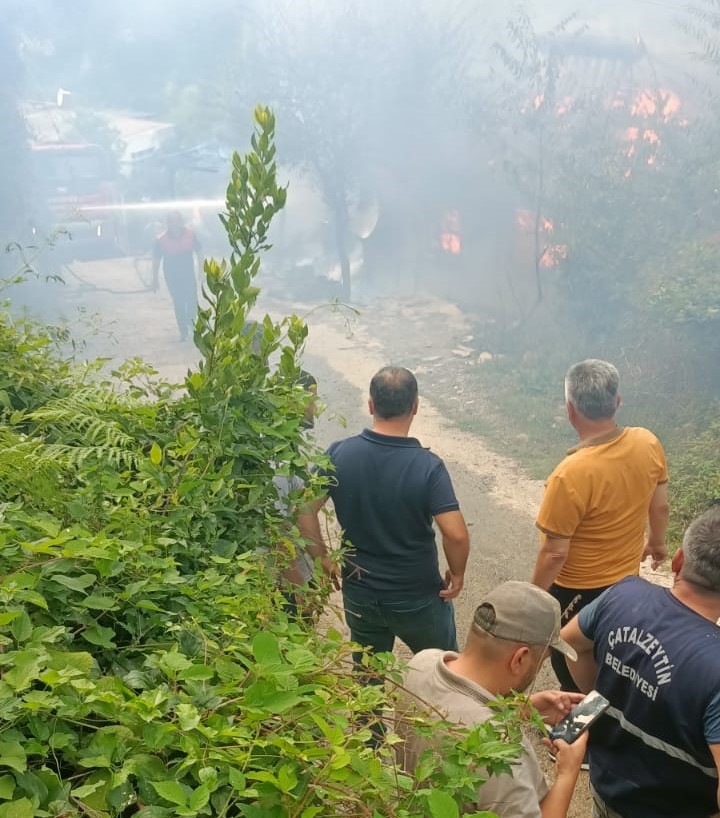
387,490
655,654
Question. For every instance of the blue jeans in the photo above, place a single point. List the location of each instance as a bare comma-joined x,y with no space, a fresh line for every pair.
428,622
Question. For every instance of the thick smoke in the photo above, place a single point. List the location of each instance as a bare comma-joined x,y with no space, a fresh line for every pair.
476,153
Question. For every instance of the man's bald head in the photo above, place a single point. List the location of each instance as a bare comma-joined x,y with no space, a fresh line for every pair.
394,392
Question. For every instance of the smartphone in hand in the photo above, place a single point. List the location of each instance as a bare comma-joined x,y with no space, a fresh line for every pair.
580,718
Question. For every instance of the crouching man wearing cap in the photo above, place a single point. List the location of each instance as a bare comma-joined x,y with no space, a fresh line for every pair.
512,633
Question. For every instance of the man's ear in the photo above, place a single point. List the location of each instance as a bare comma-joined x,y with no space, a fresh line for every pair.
677,561
371,407
518,660
618,402
571,412
415,406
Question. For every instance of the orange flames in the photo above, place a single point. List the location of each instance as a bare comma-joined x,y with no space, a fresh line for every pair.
651,103
564,106
648,135
662,105
634,135
552,254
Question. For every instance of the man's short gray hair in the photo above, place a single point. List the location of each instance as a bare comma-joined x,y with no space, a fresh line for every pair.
701,551
592,387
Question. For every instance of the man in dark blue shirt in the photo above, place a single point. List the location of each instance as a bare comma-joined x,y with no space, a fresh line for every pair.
387,490
655,654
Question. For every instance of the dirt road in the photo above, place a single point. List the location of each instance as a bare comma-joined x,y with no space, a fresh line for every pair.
498,500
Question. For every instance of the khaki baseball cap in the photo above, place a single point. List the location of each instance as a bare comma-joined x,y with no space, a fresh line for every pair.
521,612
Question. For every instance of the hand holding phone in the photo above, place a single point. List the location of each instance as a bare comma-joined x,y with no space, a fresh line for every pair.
580,718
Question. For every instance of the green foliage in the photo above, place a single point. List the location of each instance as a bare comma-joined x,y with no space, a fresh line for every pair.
695,478
687,289
147,664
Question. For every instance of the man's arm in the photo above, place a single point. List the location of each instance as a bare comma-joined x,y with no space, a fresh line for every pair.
309,526
658,515
518,794
568,758
156,259
456,545
584,671
550,559
554,705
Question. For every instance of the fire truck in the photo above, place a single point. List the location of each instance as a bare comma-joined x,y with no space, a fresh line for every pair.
67,179
79,181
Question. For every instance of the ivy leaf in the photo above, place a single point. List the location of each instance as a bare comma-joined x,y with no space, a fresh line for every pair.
12,755
91,762
266,648
442,805
71,660
174,662
22,628
237,780
88,789
155,812
34,598
75,583
171,791
25,670
99,603
7,787
22,808
98,635
197,673
199,798
287,779
188,716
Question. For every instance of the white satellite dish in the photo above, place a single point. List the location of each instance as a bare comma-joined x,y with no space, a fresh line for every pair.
364,218
60,98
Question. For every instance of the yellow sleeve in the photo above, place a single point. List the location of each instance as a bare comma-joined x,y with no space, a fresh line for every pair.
562,508
662,462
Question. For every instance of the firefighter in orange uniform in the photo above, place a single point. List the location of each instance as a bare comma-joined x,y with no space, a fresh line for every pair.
176,248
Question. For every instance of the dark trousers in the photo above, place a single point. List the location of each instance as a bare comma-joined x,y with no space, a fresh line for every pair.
428,622
183,291
572,601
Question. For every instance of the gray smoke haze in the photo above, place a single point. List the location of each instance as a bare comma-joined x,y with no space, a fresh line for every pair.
499,157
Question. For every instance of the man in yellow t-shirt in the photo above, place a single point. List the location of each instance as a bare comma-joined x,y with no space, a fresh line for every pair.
599,499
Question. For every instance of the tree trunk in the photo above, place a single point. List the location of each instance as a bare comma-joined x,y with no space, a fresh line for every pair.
341,232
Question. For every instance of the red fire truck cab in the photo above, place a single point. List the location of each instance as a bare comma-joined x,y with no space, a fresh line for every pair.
75,192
